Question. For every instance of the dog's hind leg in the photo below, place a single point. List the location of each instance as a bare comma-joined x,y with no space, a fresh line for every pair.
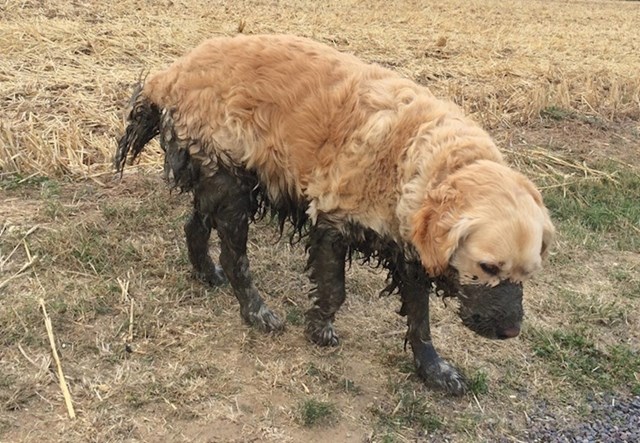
226,199
327,252
183,172
197,231
414,290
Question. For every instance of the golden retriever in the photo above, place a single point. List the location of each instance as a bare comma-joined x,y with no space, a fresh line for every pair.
361,160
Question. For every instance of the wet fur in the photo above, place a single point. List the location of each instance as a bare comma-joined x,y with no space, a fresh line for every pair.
356,159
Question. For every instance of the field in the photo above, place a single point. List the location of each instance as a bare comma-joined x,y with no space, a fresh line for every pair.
149,354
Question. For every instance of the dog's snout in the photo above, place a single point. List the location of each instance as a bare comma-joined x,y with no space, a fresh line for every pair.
511,332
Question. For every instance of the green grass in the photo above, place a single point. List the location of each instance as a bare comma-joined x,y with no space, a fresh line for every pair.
478,382
18,181
387,438
315,412
13,321
574,356
585,207
589,309
295,316
407,409
630,290
626,284
556,113
620,275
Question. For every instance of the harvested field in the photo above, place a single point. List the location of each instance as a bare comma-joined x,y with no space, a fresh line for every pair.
148,354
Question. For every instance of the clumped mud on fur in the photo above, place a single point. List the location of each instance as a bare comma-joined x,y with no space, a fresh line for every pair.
359,162
489,311
327,249
223,202
144,125
485,310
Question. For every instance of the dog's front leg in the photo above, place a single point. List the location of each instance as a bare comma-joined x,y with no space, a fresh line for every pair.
327,252
414,290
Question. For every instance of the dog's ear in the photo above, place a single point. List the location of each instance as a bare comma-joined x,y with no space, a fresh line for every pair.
548,230
548,235
438,229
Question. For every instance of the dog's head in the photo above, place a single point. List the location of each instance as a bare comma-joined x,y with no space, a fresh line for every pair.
482,233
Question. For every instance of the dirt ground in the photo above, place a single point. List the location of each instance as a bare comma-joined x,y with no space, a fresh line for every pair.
149,354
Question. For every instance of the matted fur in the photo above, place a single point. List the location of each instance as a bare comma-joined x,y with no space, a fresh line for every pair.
375,162
354,140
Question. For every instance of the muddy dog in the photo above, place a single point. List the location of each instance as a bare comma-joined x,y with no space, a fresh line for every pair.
357,160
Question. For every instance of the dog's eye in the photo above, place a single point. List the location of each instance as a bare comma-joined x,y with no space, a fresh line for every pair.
490,269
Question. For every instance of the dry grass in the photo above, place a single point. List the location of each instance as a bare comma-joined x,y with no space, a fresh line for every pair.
68,66
150,355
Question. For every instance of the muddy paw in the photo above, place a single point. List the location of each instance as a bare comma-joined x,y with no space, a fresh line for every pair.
213,275
442,375
264,319
322,334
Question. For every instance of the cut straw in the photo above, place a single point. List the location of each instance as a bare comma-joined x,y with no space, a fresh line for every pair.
54,352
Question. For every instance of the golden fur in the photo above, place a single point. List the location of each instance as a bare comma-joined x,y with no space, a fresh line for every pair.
360,144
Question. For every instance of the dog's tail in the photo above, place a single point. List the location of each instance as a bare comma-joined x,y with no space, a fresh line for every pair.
143,125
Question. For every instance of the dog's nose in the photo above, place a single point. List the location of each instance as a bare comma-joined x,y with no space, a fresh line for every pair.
509,332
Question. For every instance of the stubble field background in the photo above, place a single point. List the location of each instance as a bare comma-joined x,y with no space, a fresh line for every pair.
151,355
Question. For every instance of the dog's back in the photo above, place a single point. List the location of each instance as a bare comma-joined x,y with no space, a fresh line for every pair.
306,118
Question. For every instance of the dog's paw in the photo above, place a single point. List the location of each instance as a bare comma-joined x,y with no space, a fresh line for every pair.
322,334
442,375
319,329
264,319
213,276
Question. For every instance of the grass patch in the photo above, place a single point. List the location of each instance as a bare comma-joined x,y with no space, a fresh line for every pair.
620,275
599,206
315,412
18,181
90,250
135,214
630,290
468,422
556,113
399,362
588,309
18,397
295,316
13,321
408,409
559,113
387,438
574,356
627,285
478,382
326,376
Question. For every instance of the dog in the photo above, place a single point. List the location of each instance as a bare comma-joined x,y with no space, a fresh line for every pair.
358,160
